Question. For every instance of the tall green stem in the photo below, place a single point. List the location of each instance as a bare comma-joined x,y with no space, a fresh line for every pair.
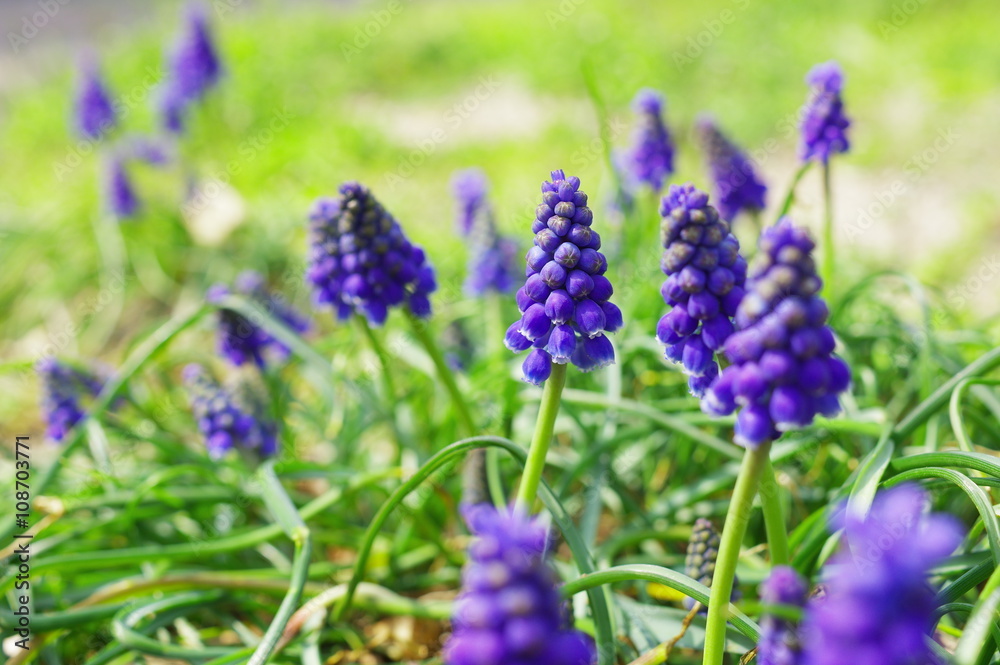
755,460
790,196
774,517
388,385
544,428
828,251
444,373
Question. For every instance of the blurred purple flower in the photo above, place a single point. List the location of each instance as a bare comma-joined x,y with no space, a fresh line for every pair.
879,608
510,610
120,198
779,638
470,187
824,124
63,390
736,185
651,158
94,111
224,419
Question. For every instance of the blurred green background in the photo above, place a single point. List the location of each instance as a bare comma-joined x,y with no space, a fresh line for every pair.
399,94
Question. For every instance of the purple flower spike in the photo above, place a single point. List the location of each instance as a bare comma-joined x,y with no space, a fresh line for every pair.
241,340
493,258
120,196
470,187
736,184
879,608
64,388
510,610
651,158
94,111
784,371
705,276
566,294
193,68
361,262
194,63
824,125
228,419
779,639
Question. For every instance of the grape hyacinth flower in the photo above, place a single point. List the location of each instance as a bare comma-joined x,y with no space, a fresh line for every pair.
120,197
361,261
510,610
737,187
492,262
242,341
564,303
879,608
225,419
63,389
651,158
194,66
193,69
470,187
94,111
702,551
704,285
824,124
779,638
784,371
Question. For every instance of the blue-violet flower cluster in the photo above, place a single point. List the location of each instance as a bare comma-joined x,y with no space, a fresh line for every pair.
564,303
824,124
651,158
64,388
94,112
193,69
879,608
470,187
704,285
510,610
241,340
360,260
784,371
737,187
493,257
227,419
120,198
779,639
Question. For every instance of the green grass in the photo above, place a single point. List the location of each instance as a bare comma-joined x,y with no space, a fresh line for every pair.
634,461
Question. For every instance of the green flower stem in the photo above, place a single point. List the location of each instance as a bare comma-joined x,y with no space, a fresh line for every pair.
790,196
444,373
827,266
388,385
774,517
291,522
755,460
544,428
